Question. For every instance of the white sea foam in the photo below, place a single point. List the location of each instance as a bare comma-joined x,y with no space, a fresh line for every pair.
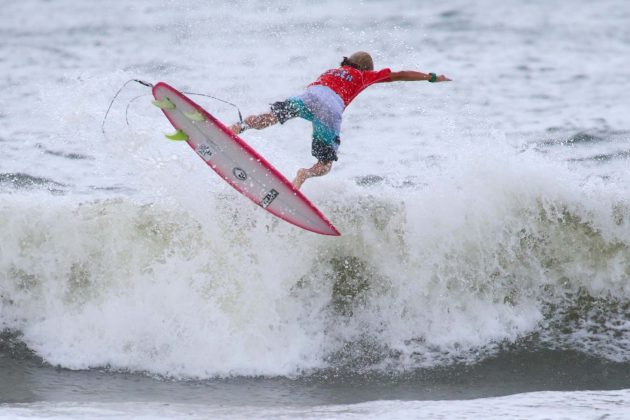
222,288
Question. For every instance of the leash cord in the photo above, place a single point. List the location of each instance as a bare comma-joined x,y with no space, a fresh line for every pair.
150,85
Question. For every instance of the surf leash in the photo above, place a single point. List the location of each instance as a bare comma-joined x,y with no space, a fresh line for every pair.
150,85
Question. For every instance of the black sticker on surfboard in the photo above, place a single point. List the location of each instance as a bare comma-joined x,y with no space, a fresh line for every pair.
268,199
204,151
239,174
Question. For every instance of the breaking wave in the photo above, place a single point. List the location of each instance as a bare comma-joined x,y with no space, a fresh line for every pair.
451,270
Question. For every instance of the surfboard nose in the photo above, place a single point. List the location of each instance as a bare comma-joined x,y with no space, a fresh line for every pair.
164,103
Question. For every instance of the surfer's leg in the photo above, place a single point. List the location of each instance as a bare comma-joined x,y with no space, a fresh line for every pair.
281,112
325,155
319,169
255,121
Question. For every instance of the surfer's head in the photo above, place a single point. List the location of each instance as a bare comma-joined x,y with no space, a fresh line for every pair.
359,60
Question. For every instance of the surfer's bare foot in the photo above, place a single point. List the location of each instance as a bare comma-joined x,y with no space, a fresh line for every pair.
299,178
236,128
319,169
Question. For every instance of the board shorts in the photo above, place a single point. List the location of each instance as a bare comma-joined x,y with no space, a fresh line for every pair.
323,107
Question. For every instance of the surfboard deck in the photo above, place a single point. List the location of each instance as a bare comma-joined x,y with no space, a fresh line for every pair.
237,162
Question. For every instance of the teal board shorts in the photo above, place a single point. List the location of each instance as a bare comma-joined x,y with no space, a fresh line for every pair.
321,106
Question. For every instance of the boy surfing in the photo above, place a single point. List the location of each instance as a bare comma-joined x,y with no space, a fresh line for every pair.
323,103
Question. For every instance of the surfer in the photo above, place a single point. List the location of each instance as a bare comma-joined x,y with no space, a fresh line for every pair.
323,103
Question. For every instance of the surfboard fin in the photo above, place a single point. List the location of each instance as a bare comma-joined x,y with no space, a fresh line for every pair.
179,135
195,116
164,104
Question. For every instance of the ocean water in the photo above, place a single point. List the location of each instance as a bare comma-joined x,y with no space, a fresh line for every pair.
484,264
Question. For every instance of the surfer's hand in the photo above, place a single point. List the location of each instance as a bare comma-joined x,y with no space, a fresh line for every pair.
442,78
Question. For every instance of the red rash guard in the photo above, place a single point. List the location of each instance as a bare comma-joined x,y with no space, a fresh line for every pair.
348,82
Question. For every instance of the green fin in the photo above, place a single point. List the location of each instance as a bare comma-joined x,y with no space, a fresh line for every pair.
194,116
179,135
164,104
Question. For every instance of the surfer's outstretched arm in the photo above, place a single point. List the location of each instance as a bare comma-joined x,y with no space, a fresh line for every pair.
319,169
255,121
412,76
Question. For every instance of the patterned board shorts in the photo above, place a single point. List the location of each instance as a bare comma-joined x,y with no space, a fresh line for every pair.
321,106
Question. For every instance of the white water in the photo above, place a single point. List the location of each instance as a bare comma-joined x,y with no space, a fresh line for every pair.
214,290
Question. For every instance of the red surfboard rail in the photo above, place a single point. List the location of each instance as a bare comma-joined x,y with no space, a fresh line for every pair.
240,165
